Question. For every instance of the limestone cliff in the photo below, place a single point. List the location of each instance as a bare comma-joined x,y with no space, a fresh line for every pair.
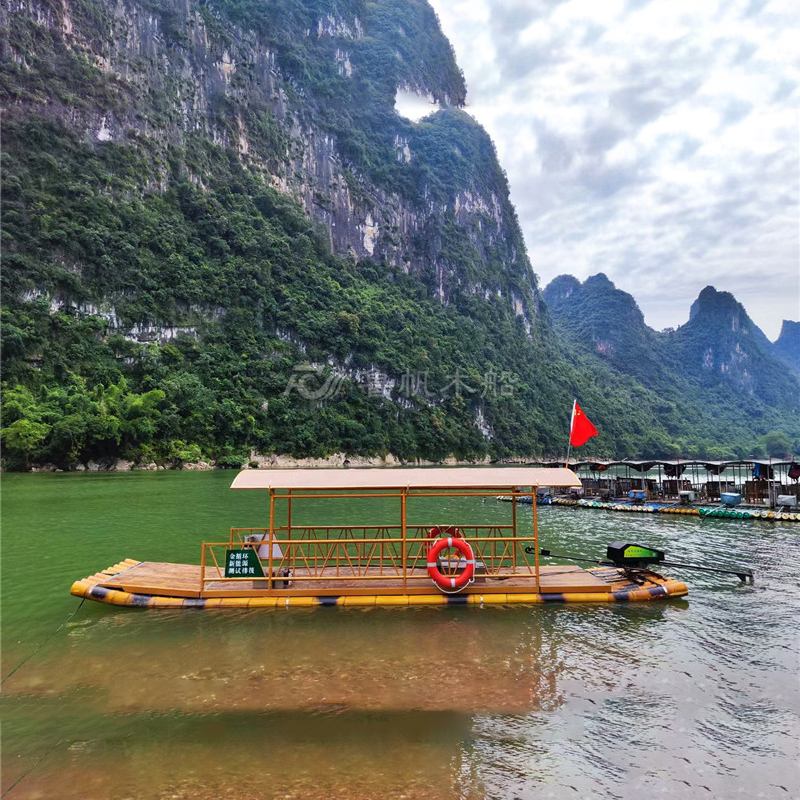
719,358
302,93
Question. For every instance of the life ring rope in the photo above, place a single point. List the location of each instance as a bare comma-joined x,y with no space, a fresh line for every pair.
433,535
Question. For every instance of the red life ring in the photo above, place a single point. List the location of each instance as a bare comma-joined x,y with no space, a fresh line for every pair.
451,583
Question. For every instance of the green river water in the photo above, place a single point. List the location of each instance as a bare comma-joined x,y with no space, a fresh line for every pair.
690,698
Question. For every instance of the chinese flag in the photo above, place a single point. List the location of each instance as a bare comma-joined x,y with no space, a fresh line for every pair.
580,430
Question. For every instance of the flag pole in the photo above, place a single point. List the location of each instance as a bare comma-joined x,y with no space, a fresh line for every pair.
571,420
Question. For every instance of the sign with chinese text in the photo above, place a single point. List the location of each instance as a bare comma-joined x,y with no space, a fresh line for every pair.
243,564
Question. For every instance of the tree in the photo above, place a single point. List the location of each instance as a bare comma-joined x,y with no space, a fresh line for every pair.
25,430
777,444
23,436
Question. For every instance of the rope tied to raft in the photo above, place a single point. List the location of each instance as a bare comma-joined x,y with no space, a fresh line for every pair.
28,772
43,643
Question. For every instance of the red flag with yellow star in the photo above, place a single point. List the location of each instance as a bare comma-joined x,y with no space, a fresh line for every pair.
580,429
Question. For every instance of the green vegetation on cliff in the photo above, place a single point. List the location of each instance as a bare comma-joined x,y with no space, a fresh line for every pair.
163,300
250,283
252,291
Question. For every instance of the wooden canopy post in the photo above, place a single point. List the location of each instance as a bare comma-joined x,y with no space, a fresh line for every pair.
404,546
271,535
514,522
535,538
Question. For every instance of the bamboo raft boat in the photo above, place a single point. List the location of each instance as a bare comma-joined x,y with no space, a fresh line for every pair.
405,563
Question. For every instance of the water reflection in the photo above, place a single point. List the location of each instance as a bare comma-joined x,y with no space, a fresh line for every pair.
397,702
492,660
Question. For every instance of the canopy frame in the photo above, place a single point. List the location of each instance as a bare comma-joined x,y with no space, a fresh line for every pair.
405,483
374,478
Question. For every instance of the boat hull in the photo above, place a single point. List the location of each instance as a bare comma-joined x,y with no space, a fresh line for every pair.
618,589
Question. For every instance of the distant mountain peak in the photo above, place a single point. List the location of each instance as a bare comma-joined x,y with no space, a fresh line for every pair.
787,346
725,315
561,287
790,331
712,301
597,312
603,296
719,347
722,344
600,279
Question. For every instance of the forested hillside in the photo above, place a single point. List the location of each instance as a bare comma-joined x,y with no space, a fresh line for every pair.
718,376
220,237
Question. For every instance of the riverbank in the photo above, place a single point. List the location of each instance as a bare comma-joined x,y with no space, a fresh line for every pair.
270,461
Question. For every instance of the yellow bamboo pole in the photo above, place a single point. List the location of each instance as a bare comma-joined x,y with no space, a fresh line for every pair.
378,539
356,493
289,525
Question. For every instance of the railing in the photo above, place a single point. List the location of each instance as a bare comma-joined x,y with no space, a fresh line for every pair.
360,553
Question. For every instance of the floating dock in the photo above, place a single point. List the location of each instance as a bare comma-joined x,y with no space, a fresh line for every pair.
624,507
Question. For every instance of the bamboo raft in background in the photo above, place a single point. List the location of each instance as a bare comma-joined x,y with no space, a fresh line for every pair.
733,512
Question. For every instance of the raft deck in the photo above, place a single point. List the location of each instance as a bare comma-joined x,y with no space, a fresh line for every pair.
154,584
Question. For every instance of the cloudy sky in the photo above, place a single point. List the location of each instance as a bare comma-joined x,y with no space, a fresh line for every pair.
654,140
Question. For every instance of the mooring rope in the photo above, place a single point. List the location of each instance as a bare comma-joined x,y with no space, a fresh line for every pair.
28,772
28,658
42,644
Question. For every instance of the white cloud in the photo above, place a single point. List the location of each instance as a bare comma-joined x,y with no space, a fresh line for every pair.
655,141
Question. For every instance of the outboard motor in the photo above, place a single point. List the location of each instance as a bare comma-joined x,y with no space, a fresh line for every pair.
633,555
637,557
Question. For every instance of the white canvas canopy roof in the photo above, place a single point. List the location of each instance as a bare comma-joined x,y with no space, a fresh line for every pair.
405,478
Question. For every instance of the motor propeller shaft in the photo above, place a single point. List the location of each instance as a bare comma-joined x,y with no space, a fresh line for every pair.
631,561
